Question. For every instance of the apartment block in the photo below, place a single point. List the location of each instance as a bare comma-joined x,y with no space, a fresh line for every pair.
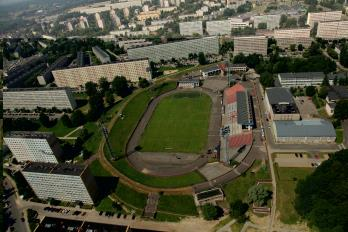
155,14
64,182
287,37
190,28
47,76
99,21
33,146
177,50
102,56
31,98
333,30
272,21
313,18
238,22
251,44
126,44
219,27
78,77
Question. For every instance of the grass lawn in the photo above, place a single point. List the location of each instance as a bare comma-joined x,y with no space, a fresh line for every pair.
130,196
339,136
164,217
286,183
135,108
238,188
97,169
106,205
155,181
178,204
237,227
179,123
59,129
92,143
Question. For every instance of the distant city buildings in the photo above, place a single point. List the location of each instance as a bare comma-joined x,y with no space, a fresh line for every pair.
78,77
327,16
142,16
32,98
250,44
191,28
33,146
286,37
102,56
83,22
333,30
64,182
177,50
116,20
301,79
134,43
99,21
106,6
272,21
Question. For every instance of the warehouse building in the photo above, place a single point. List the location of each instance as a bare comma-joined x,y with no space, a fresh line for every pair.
333,30
102,56
327,16
78,77
177,50
280,104
33,146
64,182
191,28
250,44
300,79
31,98
287,37
304,131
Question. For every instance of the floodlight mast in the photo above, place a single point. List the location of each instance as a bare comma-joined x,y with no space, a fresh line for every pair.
106,136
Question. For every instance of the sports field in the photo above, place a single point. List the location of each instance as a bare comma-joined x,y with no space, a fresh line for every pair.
179,123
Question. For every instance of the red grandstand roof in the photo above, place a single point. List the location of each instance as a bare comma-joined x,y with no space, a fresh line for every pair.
230,93
235,141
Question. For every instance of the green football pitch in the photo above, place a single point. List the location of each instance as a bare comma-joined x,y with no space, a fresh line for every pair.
179,123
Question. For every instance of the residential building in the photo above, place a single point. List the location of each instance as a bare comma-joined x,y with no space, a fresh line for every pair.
300,79
32,98
116,20
335,94
33,146
238,22
188,83
210,196
286,37
47,76
128,32
64,182
155,14
191,28
327,16
219,27
272,21
99,21
69,26
211,71
126,12
312,131
280,104
250,44
333,30
134,43
78,77
106,6
177,50
82,59
102,56
238,67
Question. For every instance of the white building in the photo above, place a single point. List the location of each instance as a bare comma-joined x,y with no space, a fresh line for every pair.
31,98
134,43
250,44
106,6
64,182
99,21
115,18
301,79
126,12
219,27
238,23
287,37
333,30
33,146
272,21
313,18
190,28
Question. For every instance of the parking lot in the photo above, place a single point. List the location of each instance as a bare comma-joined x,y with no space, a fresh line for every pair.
300,160
306,107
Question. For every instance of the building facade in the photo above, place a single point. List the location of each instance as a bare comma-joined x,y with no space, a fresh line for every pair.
219,27
102,56
33,146
287,37
301,79
177,50
78,77
64,182
250,44
190,28
313,18
272,21
333,30
134,43
31,98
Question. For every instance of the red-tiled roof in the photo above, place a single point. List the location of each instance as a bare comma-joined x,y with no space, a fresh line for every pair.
230,93
240,140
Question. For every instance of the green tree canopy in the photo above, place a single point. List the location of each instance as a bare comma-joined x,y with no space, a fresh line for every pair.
341,110
238,210
201,58
77,118
258,194
91,88
210,212
344,56
120,86
310,91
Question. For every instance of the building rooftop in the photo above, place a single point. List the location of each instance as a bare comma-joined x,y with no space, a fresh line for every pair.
244,114
211,69
35,89
339,76
28,134
62,168
305,128
281,100
307,75
100,52
337,93
189,81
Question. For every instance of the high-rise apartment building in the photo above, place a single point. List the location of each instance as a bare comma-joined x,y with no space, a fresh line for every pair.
33,146
219,27
327,16
116,20
78,77
250,44
177,50
287,37
190,28
31,98
99,21
272,21
333,30
64,182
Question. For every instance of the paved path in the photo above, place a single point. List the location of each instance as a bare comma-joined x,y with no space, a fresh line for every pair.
227,227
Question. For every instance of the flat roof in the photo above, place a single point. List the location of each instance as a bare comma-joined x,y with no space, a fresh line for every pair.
51,168
305,128
301,75
337,93
28,134
278,95
189,81
211,69
100,52
244,115
35,89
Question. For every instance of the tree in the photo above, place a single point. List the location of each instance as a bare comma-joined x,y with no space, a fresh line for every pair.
238,209
96,107
210,212
229,12
266,79
300,47
321,198
77,118
143,83
91,88
341,110
344,56
44,119
262,26
104,85
258,194
109,97
120,86
66,120
310,91
323,92
293,47
326,81
201,58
